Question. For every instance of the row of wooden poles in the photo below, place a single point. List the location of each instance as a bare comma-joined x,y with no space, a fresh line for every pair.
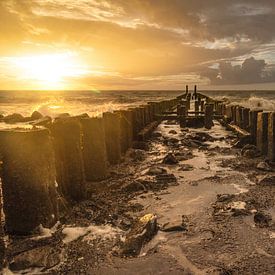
258,126
43,171
204,108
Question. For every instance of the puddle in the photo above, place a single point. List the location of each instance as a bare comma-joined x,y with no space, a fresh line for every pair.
92,232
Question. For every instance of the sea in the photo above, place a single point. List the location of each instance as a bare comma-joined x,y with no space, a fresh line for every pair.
94,103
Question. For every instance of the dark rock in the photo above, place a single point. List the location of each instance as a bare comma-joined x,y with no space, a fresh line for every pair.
137,154
143,231
173,227
267,180
262,219
186,167
156,171
14,118
84,115
40,257
225,197
63,115
44,121
250,151
171,140
36,115
156,135
141,145
166,178
173,132
264,166
170,159
134,186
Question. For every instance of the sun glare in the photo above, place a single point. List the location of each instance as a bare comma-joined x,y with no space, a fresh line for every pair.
49,71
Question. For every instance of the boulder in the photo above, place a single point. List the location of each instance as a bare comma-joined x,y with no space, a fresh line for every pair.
173,132
44,121
170,159
136,154
141,145
186,167
267,180
262,219
264,166
156,135
156,171
40,257
133,186
36,115
166,178
13,118
225,197
143,231
250,151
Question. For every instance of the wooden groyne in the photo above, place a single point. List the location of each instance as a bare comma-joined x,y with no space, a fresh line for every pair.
46,170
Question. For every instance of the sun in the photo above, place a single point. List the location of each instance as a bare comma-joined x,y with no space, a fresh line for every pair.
49,71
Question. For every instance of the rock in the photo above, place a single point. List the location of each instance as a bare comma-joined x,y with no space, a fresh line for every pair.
262,219
156,171
184,155
173,132
84,115
267,180
186,167
134,186
44,121
238,208
156,135
250,151
171,140
40,257
14,118
36,115
264,166
174,227
225,197
166,178
143,231
170,159
141,145
136,154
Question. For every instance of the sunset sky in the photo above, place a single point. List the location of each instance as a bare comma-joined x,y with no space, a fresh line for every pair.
137,44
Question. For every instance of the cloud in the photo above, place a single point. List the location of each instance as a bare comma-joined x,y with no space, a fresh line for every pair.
144,38
249,72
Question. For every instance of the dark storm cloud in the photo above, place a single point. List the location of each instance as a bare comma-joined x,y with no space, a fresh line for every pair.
250,71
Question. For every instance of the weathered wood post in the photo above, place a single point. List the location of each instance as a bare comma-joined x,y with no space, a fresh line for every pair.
239,118
196,107
181,112
262,132
208,116
202,105
234,114
271,136
67,140
195,92
112,136
253,121
28,180
2,233
245,116
94,149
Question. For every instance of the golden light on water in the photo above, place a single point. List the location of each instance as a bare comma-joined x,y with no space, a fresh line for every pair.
49,71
